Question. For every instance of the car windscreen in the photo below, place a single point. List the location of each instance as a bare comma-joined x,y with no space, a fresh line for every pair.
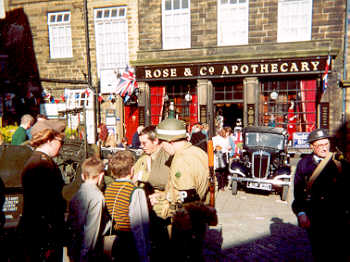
255,139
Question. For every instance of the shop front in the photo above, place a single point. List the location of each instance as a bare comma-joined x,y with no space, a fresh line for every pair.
272,92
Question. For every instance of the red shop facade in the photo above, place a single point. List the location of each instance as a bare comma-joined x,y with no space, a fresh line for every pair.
272,92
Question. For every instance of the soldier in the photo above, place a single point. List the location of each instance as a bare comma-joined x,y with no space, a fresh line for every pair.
321,199
151,172
188,185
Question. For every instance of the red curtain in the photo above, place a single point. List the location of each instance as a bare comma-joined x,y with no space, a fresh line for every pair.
157,102
194,109
131,121
308,102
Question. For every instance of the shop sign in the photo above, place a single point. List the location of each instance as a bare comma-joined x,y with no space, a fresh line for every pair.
232,69
300,139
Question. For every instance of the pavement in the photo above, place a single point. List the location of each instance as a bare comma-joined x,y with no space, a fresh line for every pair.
256,227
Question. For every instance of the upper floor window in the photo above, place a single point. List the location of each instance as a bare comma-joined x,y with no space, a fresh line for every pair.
111,30
60,35
233,22
176,24
294,20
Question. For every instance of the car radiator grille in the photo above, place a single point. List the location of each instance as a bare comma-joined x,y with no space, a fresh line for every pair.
260,165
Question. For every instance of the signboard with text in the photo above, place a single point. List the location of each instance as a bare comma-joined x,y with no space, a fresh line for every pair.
300,140
232,69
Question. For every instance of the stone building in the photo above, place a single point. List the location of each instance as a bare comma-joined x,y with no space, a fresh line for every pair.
77,49
263,61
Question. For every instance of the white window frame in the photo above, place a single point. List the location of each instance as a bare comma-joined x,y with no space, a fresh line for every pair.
176,25
111,33
60,34
294,20
233,20
77,98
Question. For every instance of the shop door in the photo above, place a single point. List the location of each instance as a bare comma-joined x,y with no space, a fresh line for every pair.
229,113
131,120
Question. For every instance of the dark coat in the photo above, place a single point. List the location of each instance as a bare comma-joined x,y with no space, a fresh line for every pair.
199,139
326,204
43,204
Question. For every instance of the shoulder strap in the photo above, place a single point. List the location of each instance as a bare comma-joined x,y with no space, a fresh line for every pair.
115,201
318,170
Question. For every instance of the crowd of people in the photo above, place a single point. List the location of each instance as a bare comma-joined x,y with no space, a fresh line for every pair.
158,204
146,205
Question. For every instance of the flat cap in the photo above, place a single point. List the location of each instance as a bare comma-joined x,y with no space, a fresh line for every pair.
56,125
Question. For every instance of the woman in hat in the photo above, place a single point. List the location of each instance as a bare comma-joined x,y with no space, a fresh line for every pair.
44,206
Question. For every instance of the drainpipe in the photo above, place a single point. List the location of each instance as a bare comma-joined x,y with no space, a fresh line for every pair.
345,58
88,64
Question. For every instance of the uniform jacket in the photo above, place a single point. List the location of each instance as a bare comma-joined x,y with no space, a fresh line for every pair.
328,197
189,170
158,176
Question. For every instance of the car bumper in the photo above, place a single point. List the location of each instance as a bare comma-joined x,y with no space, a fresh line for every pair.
277,181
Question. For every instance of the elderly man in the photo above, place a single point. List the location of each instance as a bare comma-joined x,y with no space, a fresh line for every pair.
320,199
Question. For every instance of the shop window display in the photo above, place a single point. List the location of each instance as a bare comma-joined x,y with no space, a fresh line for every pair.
182,97
290,104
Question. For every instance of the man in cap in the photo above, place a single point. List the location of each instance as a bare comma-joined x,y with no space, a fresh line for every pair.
320,199
187,186
189,172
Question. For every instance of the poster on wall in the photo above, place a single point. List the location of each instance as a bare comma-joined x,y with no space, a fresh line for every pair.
109,80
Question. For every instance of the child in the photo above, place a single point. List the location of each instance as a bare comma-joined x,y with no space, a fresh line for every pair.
127,205
87,214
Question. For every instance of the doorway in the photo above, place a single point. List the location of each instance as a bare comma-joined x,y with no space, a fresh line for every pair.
230,112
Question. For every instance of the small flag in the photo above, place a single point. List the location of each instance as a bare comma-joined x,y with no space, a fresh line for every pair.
325,74
127,83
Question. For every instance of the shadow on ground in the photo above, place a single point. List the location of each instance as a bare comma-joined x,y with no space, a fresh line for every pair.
286,242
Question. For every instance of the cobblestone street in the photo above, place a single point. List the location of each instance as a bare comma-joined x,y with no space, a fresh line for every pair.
256,227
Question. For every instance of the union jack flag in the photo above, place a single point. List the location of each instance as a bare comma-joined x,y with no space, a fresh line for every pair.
127,83
325,75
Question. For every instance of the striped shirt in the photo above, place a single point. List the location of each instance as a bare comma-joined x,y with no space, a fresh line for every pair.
122,190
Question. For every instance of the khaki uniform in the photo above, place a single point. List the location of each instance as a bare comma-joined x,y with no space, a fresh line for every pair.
188,170
156,178
158,175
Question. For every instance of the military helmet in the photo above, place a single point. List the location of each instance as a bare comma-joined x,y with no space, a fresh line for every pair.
171,129
317,134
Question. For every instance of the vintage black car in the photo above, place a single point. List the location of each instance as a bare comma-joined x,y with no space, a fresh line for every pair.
264,161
